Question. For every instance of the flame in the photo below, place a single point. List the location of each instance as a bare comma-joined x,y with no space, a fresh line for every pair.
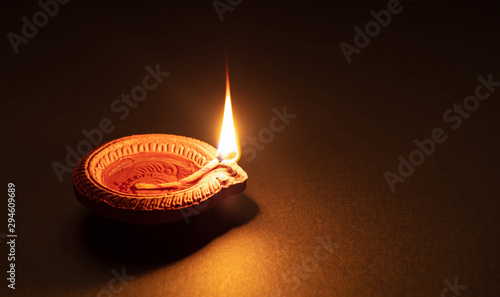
228,143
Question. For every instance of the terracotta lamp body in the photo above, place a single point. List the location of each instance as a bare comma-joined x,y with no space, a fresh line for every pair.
105,179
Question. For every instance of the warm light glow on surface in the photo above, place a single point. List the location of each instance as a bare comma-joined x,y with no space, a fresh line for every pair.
228,143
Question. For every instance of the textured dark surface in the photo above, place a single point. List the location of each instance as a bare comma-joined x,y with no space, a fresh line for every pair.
319,179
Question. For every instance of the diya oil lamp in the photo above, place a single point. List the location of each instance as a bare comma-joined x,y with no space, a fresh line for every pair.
158,178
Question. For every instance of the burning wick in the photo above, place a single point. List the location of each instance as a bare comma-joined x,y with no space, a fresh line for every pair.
228,151
193,177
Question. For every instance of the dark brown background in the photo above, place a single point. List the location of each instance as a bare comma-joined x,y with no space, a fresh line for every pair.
321,177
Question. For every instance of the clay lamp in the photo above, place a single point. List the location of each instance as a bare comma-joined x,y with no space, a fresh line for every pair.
158,178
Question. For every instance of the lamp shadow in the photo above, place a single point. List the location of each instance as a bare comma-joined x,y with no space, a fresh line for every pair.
156,245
